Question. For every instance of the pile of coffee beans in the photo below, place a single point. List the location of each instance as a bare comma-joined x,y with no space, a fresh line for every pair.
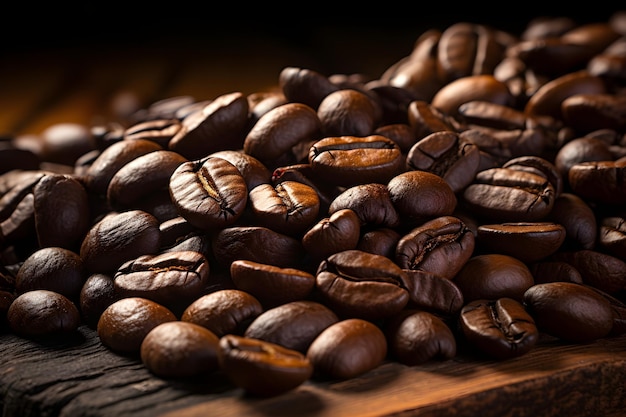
471,198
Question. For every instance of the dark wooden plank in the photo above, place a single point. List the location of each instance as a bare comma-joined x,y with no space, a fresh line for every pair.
80,377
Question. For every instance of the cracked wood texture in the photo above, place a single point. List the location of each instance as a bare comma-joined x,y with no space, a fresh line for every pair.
77,82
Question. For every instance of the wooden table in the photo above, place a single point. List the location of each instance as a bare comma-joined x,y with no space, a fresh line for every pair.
79,81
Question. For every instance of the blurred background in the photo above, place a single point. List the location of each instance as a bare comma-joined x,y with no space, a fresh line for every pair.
62,63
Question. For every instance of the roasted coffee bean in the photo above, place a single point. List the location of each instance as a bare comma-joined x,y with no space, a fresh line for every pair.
600,182
303,173
400,133
380,241
347,349
509,195
600,270
551,271
351,160
500,328
578,219
371,202
252,170
347,112
97,293
262,368
362,285
119,237
426,119
484,87
270,284
125,323
52,268
227,311
172,279
303,85
492,276
143,177
527,241
448,155
289,207
281,129
589,112
6,299
63,143
415,337
258,244
419,196
209,193
569,311
179,349
160,131
260,102
42,313
538,165
433,293
293,325
219,125
612,235
582,149
440,246
105,166
62,211
338,232
492,115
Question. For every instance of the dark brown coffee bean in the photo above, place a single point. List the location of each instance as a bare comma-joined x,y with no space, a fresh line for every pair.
252,170
209,193
351,160
97,293
172,279
583,149
612,235
258,244
119,237
400,133
160,131
125,323
227,311
492,115
415,337
500,328
600,182
569,311
448,155
433,293
271,285
338,232
380,241
347,349
303,85
538,165
492,276
551,271
63,143
598,269
360,284
509,195
346,112
483,87
42,313
262,368
290,207
179,349
371,202
588,112
440,246
293,325
62,211
528,242
219,125
578,219
280,130
143,177
53,268
419,196
426,119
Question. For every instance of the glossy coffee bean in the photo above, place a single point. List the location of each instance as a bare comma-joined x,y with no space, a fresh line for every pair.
612,235
160,131
371,202
42,313
598,269
484,87
527,241
433,293
226,311
551,271
252,170
600,182
119,237
578,219
347,112
293,325
125,323
415,337
351,160
97,293
360,284
270,284
492,276
179,349
172,279
569,311
347,349
209,193
338,232
440,246
499,328
262,368
380,241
